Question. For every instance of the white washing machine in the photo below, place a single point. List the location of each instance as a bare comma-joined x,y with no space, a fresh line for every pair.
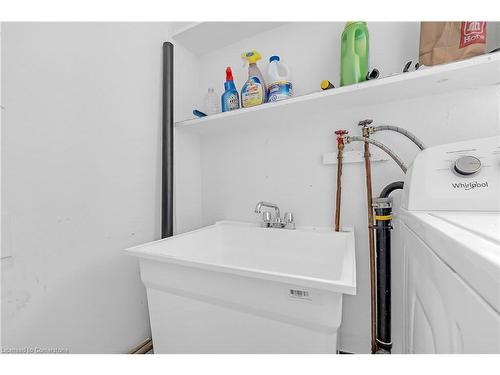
450,230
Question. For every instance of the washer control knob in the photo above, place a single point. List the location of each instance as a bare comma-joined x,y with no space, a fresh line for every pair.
467,165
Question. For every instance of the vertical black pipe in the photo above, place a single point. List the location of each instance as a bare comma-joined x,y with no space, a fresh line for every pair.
383,228
167,181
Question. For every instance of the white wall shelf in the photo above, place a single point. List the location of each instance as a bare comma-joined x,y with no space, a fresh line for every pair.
466,74
203,37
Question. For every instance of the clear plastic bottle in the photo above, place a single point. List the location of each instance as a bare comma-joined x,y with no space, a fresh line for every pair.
212,102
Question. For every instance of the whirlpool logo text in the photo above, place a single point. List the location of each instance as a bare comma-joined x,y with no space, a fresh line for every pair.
469,185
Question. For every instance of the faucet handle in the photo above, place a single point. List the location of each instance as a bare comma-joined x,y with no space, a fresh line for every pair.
288,220
266,217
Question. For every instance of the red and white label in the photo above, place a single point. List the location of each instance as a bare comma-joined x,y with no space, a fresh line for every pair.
472,33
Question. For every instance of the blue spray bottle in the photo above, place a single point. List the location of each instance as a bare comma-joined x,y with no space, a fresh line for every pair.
230,98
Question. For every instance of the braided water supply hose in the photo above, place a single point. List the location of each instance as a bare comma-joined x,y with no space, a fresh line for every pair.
383,147
399,130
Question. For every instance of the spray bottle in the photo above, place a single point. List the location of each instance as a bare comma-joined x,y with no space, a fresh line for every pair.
254,91
230,99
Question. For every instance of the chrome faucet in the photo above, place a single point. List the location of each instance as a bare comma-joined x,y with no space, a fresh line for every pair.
261,204
276,222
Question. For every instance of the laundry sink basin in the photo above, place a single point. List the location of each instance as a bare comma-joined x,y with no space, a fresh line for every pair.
317,258
238,288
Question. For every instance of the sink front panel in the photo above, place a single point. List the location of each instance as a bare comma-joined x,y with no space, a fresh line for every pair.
194,310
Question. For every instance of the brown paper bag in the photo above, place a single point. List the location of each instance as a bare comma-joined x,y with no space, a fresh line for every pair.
442,42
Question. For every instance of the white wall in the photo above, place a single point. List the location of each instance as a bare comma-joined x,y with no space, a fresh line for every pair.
493,36
1,211
282,162
187,172
81,140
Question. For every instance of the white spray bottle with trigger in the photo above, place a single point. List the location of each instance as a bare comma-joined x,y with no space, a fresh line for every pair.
254,91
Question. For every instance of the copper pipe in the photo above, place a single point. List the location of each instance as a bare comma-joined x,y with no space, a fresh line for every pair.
339,186
142,348
340,147
146,348
371,244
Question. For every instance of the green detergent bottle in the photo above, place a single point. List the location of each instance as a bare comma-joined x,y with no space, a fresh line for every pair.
354,53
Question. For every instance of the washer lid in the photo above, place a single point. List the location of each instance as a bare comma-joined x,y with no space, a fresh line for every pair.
483,224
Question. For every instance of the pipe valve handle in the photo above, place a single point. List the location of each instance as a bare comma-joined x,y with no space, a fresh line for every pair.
340,136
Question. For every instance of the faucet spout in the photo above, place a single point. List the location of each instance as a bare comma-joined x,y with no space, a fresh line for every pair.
261,204
275,222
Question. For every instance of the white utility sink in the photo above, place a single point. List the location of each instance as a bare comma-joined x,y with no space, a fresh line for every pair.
238,288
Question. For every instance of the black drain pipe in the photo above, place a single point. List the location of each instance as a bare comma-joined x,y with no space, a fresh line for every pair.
167,160
383,227
390,188
167,177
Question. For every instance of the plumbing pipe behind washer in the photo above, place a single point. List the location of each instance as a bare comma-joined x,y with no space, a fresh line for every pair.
399,130
383,217
390,188
371,234
371,245
383,147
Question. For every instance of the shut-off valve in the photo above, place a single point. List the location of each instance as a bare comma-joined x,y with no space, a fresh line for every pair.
341,135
